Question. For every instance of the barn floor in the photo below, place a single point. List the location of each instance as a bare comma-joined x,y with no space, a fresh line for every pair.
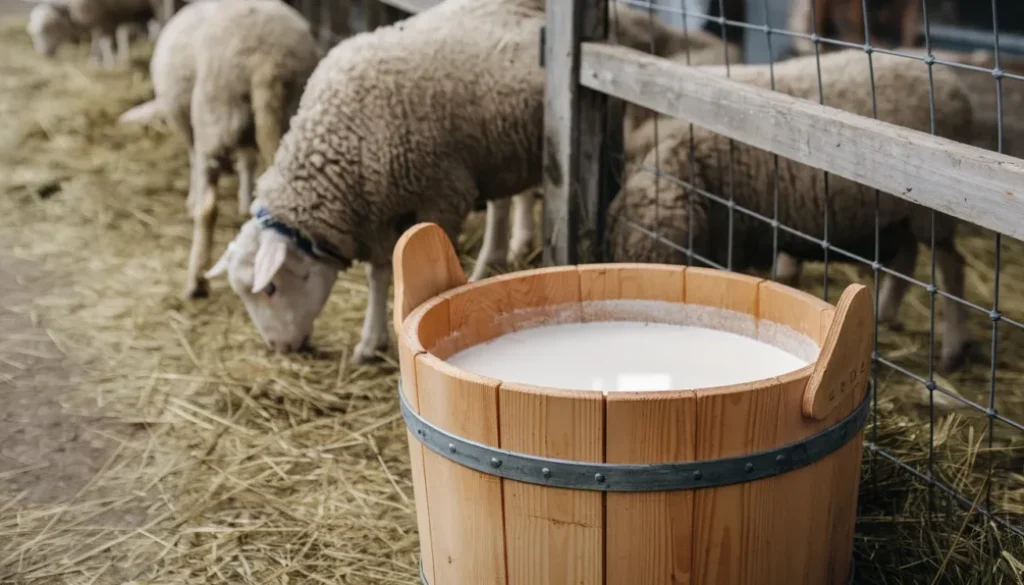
149,439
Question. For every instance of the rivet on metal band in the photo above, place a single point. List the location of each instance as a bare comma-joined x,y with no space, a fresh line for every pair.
607,477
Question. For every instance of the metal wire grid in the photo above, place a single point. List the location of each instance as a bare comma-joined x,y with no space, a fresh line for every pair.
1015,525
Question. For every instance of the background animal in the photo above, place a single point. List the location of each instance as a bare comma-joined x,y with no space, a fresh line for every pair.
746,175
230,96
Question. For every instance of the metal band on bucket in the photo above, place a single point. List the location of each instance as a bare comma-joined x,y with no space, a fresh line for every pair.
608,477
423,575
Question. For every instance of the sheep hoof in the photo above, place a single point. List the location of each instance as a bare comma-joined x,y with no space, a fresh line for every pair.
198,290
367,353
362,356
953,361
516,262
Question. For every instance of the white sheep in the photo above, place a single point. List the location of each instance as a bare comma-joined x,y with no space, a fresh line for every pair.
228,74
106,21
49,25
667,207
172,69
411,122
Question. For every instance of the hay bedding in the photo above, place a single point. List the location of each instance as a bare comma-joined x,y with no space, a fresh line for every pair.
250,467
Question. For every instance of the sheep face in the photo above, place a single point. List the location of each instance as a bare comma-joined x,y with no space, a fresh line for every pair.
48,28
283,289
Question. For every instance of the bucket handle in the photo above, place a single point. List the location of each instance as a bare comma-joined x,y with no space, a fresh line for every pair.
425,265
843,365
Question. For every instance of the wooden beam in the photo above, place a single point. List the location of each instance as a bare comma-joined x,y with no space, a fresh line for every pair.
573,129
970,183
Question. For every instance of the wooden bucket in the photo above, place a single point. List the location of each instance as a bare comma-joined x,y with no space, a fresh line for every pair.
752,483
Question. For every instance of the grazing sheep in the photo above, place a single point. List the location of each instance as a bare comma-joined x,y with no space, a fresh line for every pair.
172,69
229,95
408,123
106,20
663,206
49,25
247,87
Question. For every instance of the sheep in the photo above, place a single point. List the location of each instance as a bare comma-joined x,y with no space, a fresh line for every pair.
172,69
107,20
408,123
228,95
50,24
664,207
636,30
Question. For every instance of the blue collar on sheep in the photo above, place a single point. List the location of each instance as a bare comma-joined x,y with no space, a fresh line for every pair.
322,253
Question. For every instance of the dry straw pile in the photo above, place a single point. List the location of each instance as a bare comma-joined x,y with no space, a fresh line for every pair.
234,465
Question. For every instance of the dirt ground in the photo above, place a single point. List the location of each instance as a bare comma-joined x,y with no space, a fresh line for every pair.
45,454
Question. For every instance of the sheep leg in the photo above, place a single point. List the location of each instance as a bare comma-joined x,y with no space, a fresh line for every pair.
94,52
245,166
196,180
123,37
494,249
788,270
894,288
105,44
956,336
204,216
522,228
179,119
374,336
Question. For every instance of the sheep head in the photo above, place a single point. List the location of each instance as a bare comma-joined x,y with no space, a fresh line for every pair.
283,288
49,24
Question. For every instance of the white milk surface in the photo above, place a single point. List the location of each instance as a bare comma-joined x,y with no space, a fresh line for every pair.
625,355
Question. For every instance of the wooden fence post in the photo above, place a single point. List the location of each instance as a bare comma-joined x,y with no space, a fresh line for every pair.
575,123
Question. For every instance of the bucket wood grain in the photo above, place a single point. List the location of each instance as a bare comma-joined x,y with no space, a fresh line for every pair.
477,528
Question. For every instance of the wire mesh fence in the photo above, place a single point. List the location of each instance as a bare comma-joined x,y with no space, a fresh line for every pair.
948,407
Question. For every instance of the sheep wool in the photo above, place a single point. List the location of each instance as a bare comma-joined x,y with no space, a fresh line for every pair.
413,122
746,175
173,65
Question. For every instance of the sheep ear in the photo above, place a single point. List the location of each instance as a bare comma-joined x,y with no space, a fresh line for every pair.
270,258
222,264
